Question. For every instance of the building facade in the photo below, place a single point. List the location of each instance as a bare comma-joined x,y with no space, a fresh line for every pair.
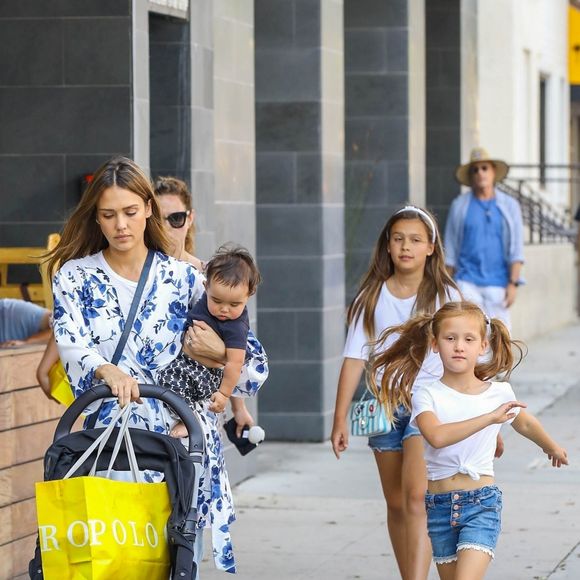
300,125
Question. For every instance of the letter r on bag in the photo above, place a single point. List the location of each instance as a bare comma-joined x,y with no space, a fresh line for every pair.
46,534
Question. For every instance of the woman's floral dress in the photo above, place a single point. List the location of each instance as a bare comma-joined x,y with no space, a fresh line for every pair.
88,322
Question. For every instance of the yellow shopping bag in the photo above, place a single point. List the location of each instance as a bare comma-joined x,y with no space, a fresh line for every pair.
60,388
95,528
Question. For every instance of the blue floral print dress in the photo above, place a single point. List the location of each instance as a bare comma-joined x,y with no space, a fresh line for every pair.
90,304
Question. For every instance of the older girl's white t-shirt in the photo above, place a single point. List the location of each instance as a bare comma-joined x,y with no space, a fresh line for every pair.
472,456
391,311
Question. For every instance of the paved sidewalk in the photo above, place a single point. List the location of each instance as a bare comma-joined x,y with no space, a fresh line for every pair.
307,516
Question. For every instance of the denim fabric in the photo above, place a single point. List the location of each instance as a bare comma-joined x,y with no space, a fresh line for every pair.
462,520
393,441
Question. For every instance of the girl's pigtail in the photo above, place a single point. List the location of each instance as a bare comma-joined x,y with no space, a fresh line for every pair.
398,365
501,363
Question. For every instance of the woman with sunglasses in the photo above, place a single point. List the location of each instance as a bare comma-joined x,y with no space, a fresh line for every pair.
104,245
178,216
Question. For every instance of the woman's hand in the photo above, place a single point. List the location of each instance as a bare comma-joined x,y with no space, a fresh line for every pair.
339,437
122,385
504,412
557,455
201,341
241,414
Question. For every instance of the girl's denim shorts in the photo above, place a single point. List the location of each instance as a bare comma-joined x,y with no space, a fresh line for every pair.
393,440
463,520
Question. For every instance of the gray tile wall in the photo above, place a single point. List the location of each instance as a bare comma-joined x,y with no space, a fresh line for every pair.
170,96
65,107
443,62
300,213
377,94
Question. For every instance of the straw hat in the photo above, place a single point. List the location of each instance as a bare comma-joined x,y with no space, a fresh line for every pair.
479,155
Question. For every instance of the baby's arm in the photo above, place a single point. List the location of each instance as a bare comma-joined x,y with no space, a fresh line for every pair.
440,435
528,426
232,369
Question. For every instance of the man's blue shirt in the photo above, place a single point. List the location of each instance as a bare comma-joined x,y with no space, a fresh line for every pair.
19,319
482,258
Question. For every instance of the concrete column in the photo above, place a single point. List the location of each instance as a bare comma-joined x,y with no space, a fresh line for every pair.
452,108
299,192
385,120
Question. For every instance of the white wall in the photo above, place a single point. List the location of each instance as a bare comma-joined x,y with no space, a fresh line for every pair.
518,41
548,299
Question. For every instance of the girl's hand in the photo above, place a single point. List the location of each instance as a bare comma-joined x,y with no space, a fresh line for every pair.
201,340
504,412
218,402
558,456
339,438
122,385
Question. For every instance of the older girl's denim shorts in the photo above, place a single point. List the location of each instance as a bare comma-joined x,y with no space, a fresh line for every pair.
463,520
393,440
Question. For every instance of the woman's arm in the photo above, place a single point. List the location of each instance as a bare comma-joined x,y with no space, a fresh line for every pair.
49,357
241,414
528,426
440,435
350,375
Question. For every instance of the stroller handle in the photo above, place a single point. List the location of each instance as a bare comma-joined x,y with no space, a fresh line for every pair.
96,392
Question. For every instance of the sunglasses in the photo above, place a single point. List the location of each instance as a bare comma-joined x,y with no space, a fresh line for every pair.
477,168
177,219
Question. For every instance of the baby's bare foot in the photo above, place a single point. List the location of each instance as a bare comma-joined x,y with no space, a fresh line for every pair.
179,431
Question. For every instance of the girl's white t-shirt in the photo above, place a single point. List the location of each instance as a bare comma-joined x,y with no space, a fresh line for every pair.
392,311
472,456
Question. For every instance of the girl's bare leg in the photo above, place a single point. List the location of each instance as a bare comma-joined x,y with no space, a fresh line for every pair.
390,465
471,564
414,486
447,571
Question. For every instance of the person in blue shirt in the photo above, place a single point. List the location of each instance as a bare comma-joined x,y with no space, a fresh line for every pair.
23,323
484,237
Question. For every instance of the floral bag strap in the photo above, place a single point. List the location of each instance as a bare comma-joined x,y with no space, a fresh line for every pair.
92,420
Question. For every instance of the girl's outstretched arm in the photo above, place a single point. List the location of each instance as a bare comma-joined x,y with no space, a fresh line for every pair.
528,426
440,435
350,375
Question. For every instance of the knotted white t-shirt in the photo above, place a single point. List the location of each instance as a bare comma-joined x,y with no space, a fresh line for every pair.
472,456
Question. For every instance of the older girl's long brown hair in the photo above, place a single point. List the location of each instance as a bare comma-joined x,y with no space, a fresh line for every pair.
400,363
82,235
435,284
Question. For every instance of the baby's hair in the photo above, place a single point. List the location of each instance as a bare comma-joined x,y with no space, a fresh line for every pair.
401,362
233,265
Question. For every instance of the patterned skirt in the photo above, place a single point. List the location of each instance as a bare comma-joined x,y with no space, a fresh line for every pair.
190,379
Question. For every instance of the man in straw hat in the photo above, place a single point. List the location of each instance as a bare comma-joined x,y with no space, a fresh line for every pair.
484,237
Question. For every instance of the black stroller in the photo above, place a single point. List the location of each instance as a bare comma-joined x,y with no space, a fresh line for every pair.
154,451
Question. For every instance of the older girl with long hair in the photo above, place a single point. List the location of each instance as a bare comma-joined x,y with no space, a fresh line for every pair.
407,276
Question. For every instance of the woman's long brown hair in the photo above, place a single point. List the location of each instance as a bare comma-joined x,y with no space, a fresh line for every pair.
401,362
435,284
82,235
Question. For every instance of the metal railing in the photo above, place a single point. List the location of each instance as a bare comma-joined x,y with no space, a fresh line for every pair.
545,223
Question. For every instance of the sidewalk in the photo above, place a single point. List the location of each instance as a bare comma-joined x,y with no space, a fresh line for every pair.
307,516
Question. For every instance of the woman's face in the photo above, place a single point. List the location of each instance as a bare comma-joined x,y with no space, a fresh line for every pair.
122,216
171,204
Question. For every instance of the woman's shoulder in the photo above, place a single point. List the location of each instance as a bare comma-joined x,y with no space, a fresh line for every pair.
78,265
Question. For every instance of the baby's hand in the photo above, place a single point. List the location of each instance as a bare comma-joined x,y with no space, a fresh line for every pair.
504,412
218,402
558,456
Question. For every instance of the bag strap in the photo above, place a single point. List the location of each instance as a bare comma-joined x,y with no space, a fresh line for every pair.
92,420
133,310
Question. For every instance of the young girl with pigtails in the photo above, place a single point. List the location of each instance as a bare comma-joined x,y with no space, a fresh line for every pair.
459,416
407,276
